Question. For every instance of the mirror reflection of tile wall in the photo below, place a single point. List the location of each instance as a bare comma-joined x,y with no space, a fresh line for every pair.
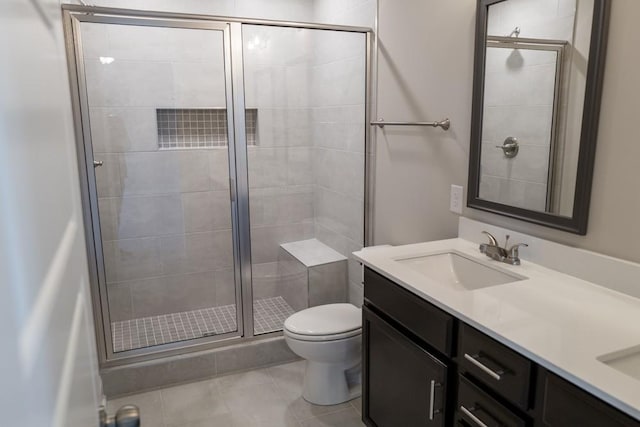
519,98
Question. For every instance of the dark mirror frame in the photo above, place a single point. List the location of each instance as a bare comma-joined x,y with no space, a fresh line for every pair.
577,223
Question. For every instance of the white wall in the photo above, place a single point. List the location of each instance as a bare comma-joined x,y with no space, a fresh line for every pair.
424,73
48,363
414,171
294,10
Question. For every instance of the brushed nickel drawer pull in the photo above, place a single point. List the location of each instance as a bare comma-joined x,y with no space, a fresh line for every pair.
469,414
496,375
432,399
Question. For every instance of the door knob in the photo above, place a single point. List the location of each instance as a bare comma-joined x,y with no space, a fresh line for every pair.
97,163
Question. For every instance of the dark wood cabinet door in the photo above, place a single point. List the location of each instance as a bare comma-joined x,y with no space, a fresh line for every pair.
561,404
403,384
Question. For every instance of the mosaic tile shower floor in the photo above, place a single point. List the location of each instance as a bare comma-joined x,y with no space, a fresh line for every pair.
269,315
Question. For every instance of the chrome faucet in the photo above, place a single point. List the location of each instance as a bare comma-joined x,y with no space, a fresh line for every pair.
502,254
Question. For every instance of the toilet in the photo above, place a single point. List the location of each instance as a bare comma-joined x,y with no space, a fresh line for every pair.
329,337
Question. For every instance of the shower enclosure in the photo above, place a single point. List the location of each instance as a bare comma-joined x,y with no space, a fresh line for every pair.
205,145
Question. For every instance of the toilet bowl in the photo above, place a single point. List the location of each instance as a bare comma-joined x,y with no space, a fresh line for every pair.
329,337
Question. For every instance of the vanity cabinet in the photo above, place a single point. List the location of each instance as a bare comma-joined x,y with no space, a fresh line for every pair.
562,404
424,367
405,384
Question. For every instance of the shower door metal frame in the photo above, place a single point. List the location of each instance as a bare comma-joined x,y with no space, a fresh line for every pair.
88,180
73,16
558,47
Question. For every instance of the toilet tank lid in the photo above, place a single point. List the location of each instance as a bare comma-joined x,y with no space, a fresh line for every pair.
326,319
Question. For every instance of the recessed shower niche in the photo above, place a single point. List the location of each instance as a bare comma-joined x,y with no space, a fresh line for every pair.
208,145
199,127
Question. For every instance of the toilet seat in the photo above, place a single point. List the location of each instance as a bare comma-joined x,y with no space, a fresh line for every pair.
325,323
317,338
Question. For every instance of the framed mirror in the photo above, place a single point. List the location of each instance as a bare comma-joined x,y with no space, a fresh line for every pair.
536,99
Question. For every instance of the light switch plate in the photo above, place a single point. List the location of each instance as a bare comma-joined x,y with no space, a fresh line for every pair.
455,201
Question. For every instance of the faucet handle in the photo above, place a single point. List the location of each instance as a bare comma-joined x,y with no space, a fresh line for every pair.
514,250
492,240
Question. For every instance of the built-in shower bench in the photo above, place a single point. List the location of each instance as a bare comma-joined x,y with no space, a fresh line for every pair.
322,272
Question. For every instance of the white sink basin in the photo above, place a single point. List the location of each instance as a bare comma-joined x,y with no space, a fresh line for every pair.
625,361
458,271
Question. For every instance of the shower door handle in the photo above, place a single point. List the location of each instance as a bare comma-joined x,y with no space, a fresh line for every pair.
232,189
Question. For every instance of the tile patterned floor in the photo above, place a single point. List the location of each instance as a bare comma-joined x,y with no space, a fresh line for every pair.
269,315
269,397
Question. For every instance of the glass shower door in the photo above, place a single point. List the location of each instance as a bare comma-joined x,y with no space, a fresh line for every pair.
305,93
161,141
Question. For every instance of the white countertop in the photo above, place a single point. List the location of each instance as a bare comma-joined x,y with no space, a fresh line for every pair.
561,322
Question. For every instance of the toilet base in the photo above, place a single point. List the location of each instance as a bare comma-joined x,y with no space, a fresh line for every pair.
329,383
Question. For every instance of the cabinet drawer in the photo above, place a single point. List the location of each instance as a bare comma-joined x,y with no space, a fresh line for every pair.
561,404
476,408
428,322
498,367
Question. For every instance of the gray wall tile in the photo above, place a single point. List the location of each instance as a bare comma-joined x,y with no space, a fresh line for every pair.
123,129
218,168
225,287
108,175
172,294
356,294
138,377
265,241
196,252
267,167
131,259
300,166
284,205
254,354
206,211
129,83
120,304
340,171
146,216
340,213
328,283
272,279
164,172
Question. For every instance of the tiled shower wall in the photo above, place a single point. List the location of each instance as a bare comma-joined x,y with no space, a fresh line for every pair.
338,138
307,172
280,173
163,245
339,132
164,214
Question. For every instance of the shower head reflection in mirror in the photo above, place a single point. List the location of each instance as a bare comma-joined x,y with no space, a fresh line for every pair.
535,66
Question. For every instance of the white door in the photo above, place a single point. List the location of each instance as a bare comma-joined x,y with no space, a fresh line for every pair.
48,363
